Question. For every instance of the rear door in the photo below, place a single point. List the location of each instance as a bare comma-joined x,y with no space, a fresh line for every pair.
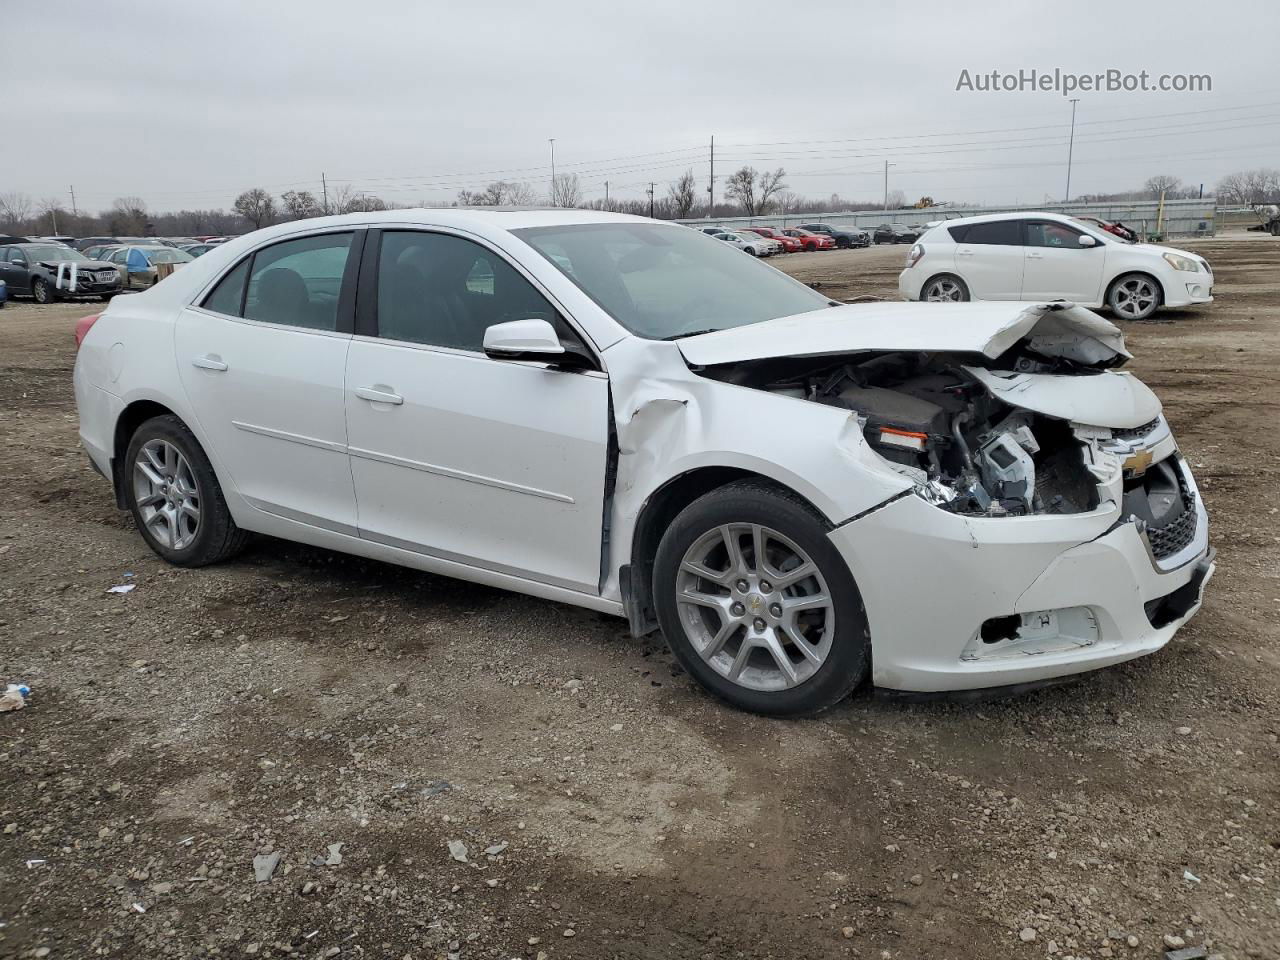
262,359
989,258
494,464
1057,267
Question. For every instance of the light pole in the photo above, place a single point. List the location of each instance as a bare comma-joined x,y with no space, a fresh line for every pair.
1071,143
887,165
552,141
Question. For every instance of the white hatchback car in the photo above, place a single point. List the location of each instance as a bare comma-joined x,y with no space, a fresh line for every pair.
633,417
1046,256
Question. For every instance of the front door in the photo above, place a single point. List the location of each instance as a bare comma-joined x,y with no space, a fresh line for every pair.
494,464
989,259
14,270
1057,267
262,359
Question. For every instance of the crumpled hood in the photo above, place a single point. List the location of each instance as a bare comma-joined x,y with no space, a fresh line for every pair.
81,265
989,328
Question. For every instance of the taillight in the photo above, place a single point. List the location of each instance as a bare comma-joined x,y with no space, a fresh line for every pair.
82,327
914,256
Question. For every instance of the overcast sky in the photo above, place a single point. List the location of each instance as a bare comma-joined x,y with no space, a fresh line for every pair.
187,104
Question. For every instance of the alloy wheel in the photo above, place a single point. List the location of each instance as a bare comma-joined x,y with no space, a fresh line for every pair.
944,290
165,490
1134,299
755,607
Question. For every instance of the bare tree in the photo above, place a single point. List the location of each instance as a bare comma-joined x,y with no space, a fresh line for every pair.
754,190
682,195
257,206
128,217
566,190
299,204
15,209
1250,187
366,203
1161,184
787,201
497,194
50,210
769,186
897,199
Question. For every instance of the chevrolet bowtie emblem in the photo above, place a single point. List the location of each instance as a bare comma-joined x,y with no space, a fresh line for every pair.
1138,463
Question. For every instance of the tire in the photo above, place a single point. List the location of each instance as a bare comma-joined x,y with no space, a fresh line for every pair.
944,288
209,538
1134,296
793,532
811,248
41,291
751,253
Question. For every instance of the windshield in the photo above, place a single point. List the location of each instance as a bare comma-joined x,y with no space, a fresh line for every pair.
663,282
168,255
54,252
748,236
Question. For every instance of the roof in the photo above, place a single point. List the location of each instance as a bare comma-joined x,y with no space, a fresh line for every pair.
1022,215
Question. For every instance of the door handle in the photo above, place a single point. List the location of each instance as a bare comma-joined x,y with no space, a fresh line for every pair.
1034,256
374,395
964,253
209,362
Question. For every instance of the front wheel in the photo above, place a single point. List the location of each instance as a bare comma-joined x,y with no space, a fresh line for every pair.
41,290
945,289
757,603
1134,296
175,498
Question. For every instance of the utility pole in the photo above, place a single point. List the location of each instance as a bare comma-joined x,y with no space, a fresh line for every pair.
1071,143
76,213
606,194
651,186
711,182
887,165
552,141
324,189
53,215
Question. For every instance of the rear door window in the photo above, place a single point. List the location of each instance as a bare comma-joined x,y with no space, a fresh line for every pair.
297,282
1001,233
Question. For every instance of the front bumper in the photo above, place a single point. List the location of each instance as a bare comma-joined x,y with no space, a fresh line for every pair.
1194,291
1086,590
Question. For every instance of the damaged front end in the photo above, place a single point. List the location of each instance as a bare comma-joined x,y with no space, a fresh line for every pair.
1029,417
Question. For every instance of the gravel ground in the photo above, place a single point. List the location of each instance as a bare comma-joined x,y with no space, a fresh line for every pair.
295,699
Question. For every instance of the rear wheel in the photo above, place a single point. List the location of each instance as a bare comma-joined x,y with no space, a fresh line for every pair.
944,288
757,603
175,497
41,290
1134,296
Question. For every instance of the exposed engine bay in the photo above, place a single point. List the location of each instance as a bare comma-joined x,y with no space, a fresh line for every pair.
933,421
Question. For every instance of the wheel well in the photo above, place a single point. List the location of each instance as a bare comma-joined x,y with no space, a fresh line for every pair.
656,515
134,415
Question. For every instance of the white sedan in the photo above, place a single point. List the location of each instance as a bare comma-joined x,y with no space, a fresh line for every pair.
1047,256
632,417
751,243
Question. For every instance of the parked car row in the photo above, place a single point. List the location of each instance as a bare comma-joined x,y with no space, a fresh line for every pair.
808,237
48,271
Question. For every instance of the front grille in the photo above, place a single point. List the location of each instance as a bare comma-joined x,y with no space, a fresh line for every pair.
1177,534
1133,433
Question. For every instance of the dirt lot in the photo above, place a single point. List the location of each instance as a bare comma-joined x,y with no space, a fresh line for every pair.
295,699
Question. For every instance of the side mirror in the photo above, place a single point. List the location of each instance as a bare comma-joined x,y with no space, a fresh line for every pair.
522,340
1086,241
